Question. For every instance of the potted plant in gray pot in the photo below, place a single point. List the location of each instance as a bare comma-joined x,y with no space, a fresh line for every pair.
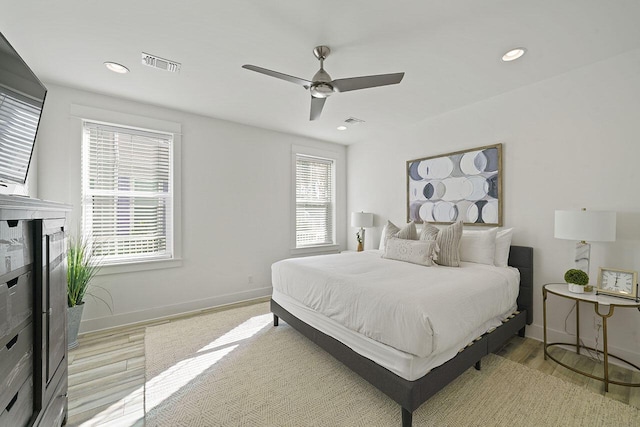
81,269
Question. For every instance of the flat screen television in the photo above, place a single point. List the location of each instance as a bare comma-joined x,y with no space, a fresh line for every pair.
21,100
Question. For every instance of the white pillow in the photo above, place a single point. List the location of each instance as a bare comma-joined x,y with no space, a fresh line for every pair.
503,244
383,238
478,246
413,251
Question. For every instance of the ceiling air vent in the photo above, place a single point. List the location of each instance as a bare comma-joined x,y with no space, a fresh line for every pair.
160,63
354,121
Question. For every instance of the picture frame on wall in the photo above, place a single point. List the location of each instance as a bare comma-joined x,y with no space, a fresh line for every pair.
463,185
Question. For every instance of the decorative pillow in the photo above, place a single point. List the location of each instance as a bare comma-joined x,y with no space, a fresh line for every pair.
503,244
429,232
448,241
407,232
414,251
387,232
478,246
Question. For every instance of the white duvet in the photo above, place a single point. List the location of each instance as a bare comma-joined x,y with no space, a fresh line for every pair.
416,309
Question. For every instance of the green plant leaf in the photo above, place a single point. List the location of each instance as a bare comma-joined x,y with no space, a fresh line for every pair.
576,276
81,269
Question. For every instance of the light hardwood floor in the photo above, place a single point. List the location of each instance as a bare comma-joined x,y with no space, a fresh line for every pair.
106,373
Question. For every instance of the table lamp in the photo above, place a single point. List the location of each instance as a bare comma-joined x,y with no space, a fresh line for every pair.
584,225
362,220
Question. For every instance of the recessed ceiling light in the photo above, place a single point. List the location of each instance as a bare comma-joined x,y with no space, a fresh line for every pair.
116,68
513,54
341,128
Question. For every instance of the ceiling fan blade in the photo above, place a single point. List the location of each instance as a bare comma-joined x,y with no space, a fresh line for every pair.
355,83
316,107
292,79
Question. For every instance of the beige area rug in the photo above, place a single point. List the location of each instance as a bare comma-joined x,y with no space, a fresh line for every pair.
234,368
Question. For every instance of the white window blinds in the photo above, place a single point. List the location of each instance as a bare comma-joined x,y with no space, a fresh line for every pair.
314,201
127,193
18,126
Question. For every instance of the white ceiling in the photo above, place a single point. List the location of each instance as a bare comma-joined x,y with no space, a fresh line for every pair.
449,50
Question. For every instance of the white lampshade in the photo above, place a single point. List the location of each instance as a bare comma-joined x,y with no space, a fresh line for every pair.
588,226
361,219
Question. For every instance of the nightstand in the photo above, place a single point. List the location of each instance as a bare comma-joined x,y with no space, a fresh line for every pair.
601,303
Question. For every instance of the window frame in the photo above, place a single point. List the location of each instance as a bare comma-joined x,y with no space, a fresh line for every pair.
124,120
303,151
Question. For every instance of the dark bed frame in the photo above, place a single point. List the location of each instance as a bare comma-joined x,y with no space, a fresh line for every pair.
411,394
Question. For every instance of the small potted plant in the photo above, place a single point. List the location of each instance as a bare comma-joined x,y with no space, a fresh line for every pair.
81,269
577,280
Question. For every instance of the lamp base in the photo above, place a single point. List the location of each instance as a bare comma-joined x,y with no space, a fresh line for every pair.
583,253
360,240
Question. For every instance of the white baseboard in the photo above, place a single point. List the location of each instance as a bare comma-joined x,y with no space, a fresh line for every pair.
553,335
124,319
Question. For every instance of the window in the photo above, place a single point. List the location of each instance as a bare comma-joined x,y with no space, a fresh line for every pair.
315,201
127,193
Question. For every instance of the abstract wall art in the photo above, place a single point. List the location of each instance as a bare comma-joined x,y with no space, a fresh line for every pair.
464,185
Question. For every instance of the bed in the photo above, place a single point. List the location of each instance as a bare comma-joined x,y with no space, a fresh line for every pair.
353,320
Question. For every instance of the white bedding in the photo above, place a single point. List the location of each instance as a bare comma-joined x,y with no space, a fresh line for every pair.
418,310
405,365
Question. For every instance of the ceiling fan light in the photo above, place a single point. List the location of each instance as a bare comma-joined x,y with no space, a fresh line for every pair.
321,90
342,127
513,54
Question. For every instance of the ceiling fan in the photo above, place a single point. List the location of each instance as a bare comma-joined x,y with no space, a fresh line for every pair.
321,86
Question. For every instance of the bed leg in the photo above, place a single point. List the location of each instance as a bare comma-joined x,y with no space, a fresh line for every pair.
407,418
275,320
521,332
478,365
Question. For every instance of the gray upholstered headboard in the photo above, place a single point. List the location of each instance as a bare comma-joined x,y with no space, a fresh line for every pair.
521,257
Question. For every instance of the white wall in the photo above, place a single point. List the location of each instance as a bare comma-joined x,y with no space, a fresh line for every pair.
236,207
571,141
